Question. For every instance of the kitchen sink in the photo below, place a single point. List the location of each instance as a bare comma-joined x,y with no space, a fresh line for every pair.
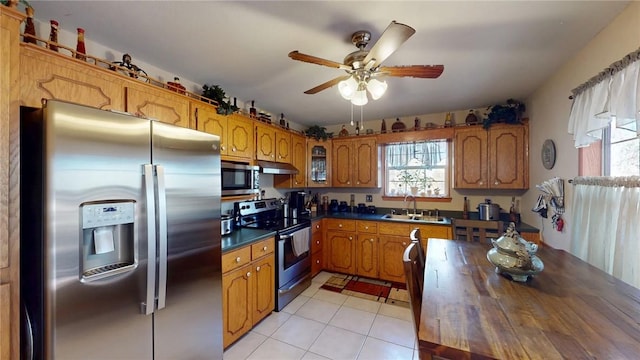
414,217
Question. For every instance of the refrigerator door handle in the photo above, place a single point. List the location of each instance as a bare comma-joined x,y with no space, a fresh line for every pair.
149,304
162,237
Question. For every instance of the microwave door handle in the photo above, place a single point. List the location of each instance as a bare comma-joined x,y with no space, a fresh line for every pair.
162,237
148,304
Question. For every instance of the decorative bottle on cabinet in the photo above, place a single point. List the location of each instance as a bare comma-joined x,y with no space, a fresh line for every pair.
383,128
465,209
29,27
80,49
252,110
53,36
447,120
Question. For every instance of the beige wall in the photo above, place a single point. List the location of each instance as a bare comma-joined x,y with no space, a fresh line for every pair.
548,109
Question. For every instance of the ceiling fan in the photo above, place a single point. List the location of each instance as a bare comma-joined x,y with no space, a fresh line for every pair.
364,67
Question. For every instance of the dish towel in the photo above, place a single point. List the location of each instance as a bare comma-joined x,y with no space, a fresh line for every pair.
300,242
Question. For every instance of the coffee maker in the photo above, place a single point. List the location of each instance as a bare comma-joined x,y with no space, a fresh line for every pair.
297,204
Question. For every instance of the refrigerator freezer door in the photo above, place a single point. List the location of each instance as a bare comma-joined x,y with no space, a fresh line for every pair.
90,157
189,326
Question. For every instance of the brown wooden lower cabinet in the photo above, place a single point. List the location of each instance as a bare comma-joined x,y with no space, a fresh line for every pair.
373,249
248,284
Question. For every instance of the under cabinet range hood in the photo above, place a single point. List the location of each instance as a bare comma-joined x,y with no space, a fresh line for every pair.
268,167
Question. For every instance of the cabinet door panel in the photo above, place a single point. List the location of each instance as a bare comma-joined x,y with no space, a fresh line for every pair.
341,169
341,252
236,304
367,255
208,120
391,251
283,146
45,75
265,142
366,160
264,294
471,159
507,158
158,104
240,136
299,160
318,163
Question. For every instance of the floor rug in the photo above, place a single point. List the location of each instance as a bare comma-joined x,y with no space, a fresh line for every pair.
371,289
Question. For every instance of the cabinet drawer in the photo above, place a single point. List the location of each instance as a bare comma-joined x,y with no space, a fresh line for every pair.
388,228
316,227
236,258
341,224
262,248
368,227
316,243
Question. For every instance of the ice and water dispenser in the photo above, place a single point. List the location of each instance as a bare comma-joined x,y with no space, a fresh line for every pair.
108,239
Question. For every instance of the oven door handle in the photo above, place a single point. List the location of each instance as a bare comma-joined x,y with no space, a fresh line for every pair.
283,291
283,237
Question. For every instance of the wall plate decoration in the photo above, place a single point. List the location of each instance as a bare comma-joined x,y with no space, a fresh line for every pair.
548,154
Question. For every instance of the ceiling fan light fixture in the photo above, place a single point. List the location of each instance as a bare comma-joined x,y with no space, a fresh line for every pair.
347,88
360,97
376,88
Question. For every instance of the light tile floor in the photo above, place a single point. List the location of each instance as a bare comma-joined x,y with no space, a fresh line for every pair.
321,324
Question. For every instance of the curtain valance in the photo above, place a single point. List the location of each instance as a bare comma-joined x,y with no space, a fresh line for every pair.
613,94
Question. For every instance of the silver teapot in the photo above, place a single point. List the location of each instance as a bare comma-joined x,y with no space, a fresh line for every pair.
514,256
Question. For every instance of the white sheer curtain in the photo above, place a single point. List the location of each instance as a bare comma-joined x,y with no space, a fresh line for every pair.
612,94
607,232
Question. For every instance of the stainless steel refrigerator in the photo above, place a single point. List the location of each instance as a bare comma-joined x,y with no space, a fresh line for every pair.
120,237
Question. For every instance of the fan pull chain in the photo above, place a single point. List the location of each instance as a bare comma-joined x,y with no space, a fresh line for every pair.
351,114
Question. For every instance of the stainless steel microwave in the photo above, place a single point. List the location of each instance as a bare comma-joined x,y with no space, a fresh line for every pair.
239,179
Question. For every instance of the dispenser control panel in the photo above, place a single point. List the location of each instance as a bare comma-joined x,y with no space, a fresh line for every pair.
105,214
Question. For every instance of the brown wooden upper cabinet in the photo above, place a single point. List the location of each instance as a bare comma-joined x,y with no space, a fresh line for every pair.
298,160
318,163
48,75
355,162
272,144
497,158
235,131
158,104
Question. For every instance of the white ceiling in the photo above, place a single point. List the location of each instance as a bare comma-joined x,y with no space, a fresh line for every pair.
491,50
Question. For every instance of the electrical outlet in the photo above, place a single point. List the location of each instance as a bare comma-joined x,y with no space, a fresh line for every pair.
369,198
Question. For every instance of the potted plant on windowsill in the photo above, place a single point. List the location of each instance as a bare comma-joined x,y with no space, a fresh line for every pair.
511,113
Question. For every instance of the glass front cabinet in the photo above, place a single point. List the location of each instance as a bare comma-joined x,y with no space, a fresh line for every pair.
319,163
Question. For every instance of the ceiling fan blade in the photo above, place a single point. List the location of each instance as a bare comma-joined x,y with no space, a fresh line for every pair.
327,84
393,36
296,55
416,71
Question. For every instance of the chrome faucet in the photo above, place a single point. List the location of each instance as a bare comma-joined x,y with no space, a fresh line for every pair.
415,204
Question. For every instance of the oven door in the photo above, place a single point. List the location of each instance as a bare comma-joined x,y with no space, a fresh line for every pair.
293,255
239,179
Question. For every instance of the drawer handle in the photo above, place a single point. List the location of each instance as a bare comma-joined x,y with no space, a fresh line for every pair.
350,238
366,228
222,148
371,240
317,261
317,226
249,274
238,259
404,243
318,242
264,249
258,268
339,225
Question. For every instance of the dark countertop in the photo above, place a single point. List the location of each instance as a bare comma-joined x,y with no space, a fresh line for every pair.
244,236
521,227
